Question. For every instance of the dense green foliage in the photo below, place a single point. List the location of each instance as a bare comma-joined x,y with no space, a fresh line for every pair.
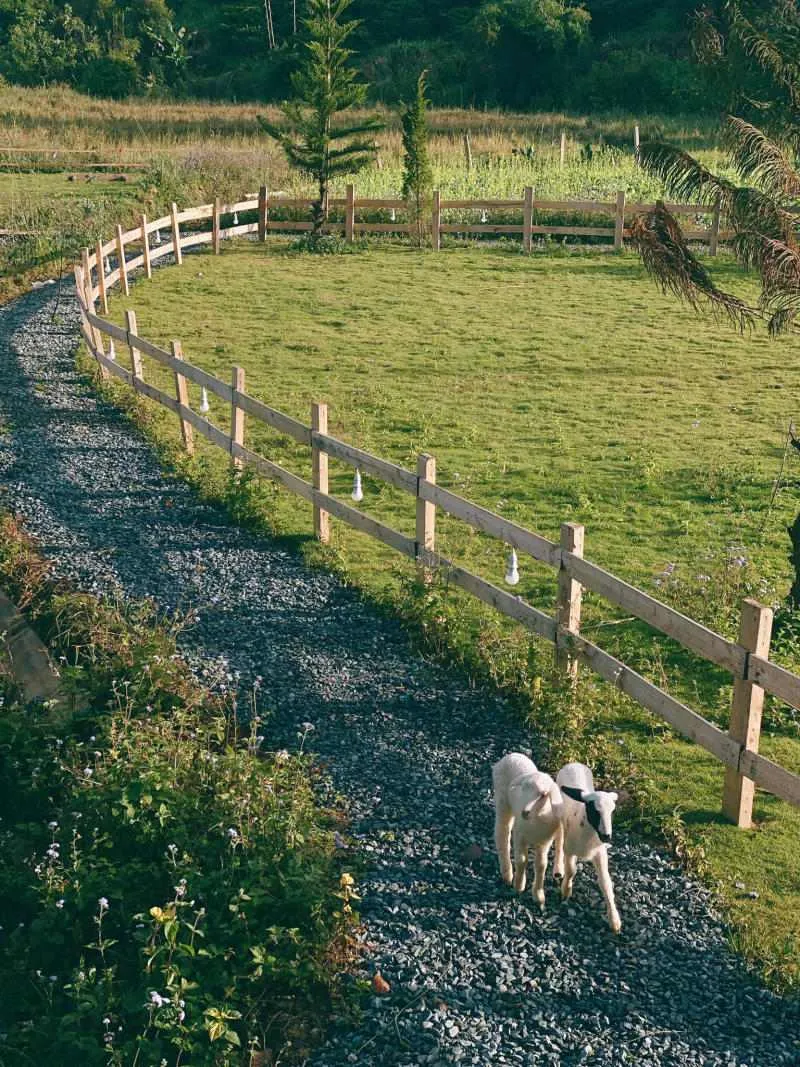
587,54
170,892
417,170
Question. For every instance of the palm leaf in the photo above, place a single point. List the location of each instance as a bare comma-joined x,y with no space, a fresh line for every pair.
760,159
681,173
668,259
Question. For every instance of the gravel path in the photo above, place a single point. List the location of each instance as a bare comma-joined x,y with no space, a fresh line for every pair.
477,975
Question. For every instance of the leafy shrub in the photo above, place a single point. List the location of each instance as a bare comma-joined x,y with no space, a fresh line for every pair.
170,892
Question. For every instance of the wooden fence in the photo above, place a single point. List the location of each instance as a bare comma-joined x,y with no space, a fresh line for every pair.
747,659
224,219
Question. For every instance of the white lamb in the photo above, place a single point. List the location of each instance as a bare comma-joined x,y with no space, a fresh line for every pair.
528,809
584,832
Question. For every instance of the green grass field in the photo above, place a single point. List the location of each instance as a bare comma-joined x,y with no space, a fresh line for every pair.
560,387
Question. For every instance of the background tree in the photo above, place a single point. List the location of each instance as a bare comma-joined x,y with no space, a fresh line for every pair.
417,172
763,210
325,85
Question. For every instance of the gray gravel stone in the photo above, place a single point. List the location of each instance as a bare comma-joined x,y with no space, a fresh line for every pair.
477,975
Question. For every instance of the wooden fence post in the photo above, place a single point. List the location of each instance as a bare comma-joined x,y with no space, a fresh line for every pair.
263,217
467,150
619,222
350,214
123,267
88,297
87,273
215,221
527,219
176,235
101,278
563,151
148,269
568,607
136,357
182,396
713,237
426,514
436,221
319,472
237,414
636,144
755,631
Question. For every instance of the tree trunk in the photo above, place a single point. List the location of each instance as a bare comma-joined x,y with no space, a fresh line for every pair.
794,558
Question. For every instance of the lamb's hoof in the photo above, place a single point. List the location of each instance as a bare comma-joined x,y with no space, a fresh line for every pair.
540,903
615,927
558,875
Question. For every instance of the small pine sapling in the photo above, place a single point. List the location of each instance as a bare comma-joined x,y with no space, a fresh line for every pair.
325,85
417,171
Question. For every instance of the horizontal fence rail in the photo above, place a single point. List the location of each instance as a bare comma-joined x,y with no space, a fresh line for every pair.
747,660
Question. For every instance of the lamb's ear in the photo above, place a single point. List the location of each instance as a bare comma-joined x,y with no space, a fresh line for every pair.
573,794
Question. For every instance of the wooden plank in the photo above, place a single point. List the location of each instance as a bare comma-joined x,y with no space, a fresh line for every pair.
123,274
364,523
274,471
479,227
196,214
263,213
277,420
130,236
426,513
686,721
576,231
215,225
527,219
488,522
713,238
198,237
237,414
770,776
350,213
568,602
250,204
319,471
155,394
206,428
135,263
580,207
101,279
384,227
776,680
164,249
482,205
176,234
619,224
145,238
109,247
182,396
506,603
188,370
674,209
436,222
660,616
109,328
755,632
291,225
130,337
290,201
159,224
357,457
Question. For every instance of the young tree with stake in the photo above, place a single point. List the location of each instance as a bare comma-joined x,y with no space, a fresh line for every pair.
417,172
325,85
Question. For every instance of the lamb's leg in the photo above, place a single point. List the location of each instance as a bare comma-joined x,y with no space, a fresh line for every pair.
558,862
540,869
570,867
503,821
520,860
600,861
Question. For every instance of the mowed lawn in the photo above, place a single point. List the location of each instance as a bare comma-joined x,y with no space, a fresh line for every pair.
558,387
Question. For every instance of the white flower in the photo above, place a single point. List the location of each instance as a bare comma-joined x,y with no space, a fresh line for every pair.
52,825
106,1021
282,756
103,902
157,999
307,726
60,903
232,833
87,772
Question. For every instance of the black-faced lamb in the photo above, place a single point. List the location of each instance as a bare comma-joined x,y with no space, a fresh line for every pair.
583,833
528,811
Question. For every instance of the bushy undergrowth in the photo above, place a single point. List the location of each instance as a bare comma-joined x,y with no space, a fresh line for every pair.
170,892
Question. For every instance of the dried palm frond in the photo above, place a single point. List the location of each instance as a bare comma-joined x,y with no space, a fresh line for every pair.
783,312
750,209
669,260
682,175
776,262
769,56
760,159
